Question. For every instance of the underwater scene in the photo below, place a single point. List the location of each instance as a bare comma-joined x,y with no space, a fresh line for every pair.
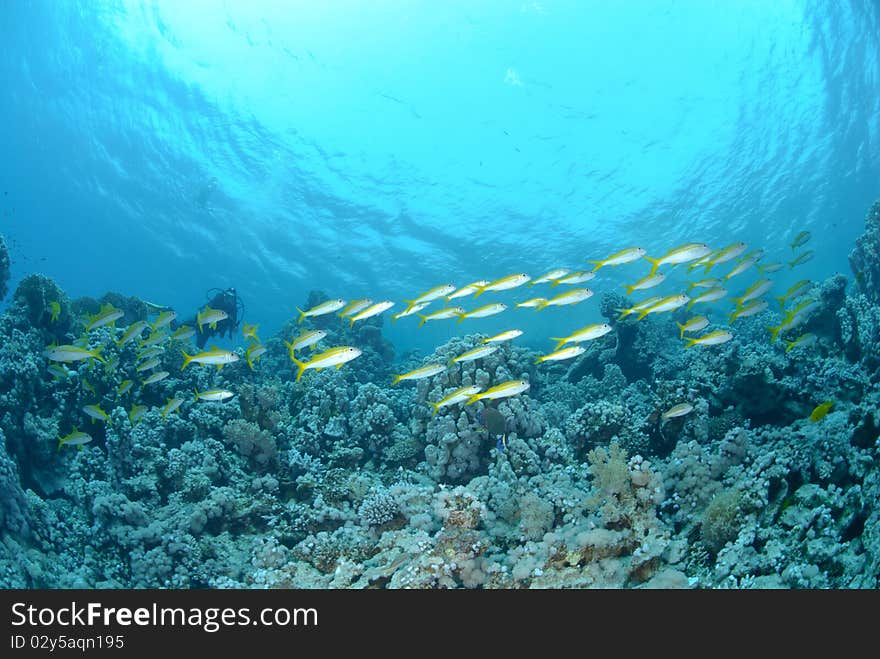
508,294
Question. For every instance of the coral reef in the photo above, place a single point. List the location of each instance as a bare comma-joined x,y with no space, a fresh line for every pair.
4,268
864,259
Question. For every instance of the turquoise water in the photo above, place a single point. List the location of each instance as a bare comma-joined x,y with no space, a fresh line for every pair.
378,149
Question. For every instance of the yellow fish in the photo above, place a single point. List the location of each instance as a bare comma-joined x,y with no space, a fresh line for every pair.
588,333
711,295
821,410
504,284
428,296
457,396
467,290
801,239
574,296
75,438
171,406
165,318
253,353
156,377
476,353
504,336
132,331
107,315
534,302
483,312
796,289
769,268
678,410
370,311
56,310
410,310
332,357
756,290
803,340
136,413
146,365
711,339
183,332
802,258
248,330
683,254
156,337
305,340
213,395
644,304
354,306
503,390
420,373
706,283
751,309
124,387
574,278
442,314
620,258
547,277
565,353
644,283
727,254
211,317
670,303
96,413
215,357
694,324
742,265
320,309
72,353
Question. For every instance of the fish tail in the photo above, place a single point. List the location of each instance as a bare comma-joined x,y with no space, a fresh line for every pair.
681,330
554,283
732,317
423,319
629,289
541,305
642,314
690,304
350,322
539,360
301,367
792,264
196,399
250,363
791,345
60,443
436,407
395,378
302,316
596,265
774,331
690,343
655,263
781,299
559,342
96,353
461,318
186,359
480,291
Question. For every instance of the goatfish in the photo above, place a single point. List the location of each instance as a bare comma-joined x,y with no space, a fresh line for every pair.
370,311
146,365
743,265
107,315
320,309
131,332
111,365
136,413
210,317
574,278
58,372
547,277
253,353
71,353
683,254
152,351
645,283
504,336
644,304
250,331
55,306
790,321
677,410
588,333
96,413
694,324
442,314
164,319
706,283
467,290
803,307
711,295
171,406
75,438
754,291
183,332
620,258
727,254
155,377
821,411
533,303
801,239
156,337
410,310
124,387
332,357
796,289
483,312
670,303
476,353
711,339
802,258
770,268
215,357
503,390
305,340
802,341
504,284
431,295
753,308
213,395
419,374
354,306
559,355
459,395
573,296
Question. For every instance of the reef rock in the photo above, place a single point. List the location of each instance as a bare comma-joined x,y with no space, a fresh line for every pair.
864,259
4,267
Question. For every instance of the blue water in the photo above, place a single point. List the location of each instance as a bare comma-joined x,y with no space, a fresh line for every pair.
378,149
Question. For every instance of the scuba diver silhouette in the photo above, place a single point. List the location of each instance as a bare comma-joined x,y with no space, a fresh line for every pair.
226,300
